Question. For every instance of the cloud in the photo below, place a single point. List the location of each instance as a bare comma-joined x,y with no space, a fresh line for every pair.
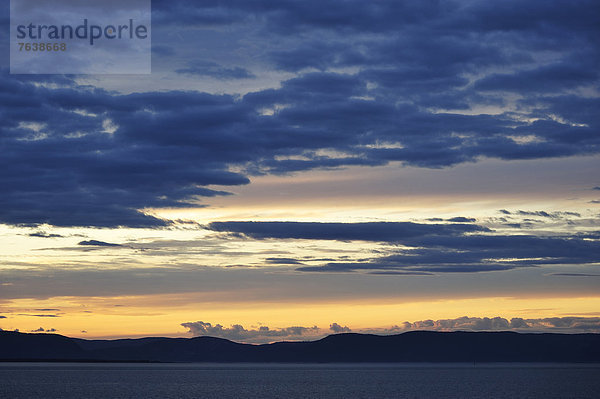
461,219
2,317
474,253
551,215
68,171
538,219
43,234
283,261
96,243
264,334
466,323
161,50
211,136
547,78
416,76
41,329
400,273
192,14
259,335
370,231
550,324
38,315
215,70
336,328
428,248
457,219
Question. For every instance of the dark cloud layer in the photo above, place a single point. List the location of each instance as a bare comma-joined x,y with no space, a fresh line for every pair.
215,70
43,234
74,172
96,243
475,253
370,231
429,248
79,156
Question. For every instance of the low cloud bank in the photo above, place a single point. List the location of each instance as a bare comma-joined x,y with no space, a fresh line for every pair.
41,329
265,334
549,324
262,334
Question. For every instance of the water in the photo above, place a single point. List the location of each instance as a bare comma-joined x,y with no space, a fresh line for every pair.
290,381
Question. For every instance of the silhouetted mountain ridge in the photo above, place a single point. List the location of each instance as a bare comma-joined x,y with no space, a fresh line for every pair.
415,346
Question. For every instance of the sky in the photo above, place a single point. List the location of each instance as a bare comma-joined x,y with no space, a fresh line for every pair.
294,169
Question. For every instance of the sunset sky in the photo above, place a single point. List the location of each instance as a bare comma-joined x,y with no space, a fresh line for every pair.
292,169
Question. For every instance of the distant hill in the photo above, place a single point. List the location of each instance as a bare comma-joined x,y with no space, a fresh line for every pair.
416,346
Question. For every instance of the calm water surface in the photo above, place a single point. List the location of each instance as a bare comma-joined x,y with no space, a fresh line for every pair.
163,381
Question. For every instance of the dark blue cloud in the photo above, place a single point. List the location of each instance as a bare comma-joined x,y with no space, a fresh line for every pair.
429,248
79,156
462,219
547,78
162,50
63,165
468,254
179,13
476,253
97,243
369,231
43,234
